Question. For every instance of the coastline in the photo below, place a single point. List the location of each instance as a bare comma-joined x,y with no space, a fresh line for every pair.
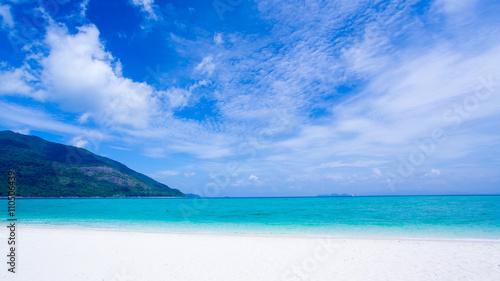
266,235
262,197
62,253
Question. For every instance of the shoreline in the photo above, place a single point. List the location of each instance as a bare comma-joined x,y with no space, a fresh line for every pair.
264,197
270,235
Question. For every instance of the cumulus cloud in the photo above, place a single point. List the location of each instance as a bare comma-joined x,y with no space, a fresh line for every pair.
80,75
15,82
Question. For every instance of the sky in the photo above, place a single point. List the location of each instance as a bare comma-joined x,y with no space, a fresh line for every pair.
264,98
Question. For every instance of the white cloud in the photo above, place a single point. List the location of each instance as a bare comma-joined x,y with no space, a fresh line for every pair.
433,173
154,152
359,163
147,6
406,90
164,174
218,39
252,180
83,7
377,172
405,78
17,82
206,66
335,177
120,148
81,77
79,142
177,98
24,131
189,174
15,115
365,56
84,118
205,149
6,15
453,6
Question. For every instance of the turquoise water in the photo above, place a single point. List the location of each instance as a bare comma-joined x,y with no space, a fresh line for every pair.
476,217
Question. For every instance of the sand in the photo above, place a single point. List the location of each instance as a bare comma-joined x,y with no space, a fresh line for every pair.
76,254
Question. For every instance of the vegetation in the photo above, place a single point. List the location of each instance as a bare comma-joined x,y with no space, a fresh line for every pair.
47,169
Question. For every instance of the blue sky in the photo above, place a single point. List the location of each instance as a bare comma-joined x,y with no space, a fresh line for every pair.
264,98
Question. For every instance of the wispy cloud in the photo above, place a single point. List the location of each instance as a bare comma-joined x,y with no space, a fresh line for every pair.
16,115
7,19
164,174
433,173
368,163
147,6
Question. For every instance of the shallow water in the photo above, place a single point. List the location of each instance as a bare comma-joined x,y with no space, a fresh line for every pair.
475,217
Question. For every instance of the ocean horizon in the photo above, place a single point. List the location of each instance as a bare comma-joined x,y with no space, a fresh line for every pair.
422,216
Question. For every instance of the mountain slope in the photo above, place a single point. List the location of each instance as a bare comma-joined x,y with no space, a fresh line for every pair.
48,169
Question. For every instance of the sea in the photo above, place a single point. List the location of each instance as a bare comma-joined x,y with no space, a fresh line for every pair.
449,217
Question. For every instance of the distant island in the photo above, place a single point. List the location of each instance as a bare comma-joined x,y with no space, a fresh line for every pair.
192,196
337,195
48,169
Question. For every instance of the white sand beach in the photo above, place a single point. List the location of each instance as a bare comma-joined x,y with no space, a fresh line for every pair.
75,254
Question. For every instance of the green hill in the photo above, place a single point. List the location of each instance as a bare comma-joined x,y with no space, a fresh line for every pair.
48,169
